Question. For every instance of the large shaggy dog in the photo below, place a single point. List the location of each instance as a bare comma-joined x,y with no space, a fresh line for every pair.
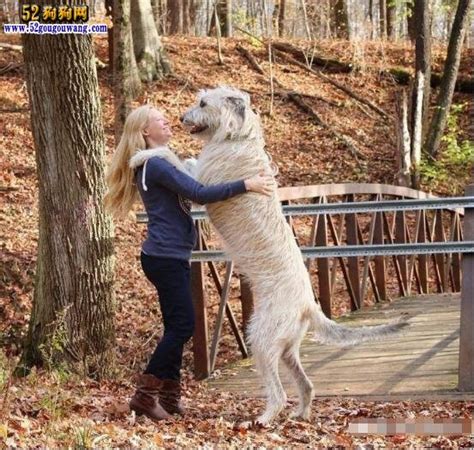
260,242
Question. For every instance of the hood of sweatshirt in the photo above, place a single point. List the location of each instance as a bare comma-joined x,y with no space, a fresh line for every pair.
141,157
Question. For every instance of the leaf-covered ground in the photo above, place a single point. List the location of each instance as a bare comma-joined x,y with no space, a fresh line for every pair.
60,409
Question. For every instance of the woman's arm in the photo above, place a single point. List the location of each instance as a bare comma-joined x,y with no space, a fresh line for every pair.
160,171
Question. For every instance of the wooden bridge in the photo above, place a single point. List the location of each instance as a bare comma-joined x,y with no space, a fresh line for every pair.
421,363
364,245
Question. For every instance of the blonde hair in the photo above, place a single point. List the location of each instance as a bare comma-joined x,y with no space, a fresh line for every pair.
122,191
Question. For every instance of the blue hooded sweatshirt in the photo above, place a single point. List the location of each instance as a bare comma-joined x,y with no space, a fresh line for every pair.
166,193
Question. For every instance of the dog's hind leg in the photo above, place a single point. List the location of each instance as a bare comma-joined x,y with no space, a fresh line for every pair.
267,366
291,358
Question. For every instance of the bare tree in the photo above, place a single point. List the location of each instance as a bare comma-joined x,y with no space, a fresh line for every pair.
281,17
109,6
224,16
175,13
149,51
448,81
305,20
218,36
403,142
421,91
72,319
188,16
383,18
127,82
391,15
371,18
158,15
341,19
411,21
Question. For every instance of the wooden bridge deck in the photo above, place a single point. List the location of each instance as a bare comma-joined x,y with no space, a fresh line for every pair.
421,363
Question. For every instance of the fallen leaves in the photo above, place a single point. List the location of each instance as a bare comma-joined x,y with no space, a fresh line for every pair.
213,418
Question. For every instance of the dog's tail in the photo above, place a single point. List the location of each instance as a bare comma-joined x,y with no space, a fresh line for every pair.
329,332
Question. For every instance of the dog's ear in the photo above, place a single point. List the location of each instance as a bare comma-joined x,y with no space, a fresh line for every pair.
238,104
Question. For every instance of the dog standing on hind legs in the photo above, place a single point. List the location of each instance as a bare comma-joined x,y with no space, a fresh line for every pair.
261,244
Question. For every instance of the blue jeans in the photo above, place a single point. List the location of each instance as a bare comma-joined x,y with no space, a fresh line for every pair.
172,280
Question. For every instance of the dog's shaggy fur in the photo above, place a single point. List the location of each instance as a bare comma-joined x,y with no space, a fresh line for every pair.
261,243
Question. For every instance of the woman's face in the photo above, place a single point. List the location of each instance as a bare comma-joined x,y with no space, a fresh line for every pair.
157,130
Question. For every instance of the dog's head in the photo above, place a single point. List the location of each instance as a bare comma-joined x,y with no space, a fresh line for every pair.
220,114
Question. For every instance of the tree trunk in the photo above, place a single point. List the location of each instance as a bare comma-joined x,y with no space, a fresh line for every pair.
149,52
383,18
228,19
391,15
188,16
403,141
371,19
109,5
175,11
218,36
411,21
281,18
72,320
341,20
421,91
448,82
305,20
127,84
156,8
224,15
417,122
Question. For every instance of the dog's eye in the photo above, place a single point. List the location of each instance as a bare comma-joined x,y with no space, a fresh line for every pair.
202,104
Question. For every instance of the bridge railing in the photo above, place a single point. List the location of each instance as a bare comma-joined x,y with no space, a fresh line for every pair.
363,242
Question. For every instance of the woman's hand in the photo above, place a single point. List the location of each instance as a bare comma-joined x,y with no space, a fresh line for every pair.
261,183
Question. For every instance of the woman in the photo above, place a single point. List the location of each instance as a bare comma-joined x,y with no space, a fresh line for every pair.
143,160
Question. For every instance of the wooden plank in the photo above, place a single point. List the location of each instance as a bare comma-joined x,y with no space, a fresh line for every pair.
441,260
365,270
312,239
456,257
396,262
353,263
228,310
220,315
200,337
336,238
323,267
423,259
400,238
449,257
380,268
371,272
300,192
412,267
466,341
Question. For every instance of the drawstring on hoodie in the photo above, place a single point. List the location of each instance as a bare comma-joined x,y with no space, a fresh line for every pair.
143,176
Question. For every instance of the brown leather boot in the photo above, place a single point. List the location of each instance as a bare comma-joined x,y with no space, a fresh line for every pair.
170,397
146,398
